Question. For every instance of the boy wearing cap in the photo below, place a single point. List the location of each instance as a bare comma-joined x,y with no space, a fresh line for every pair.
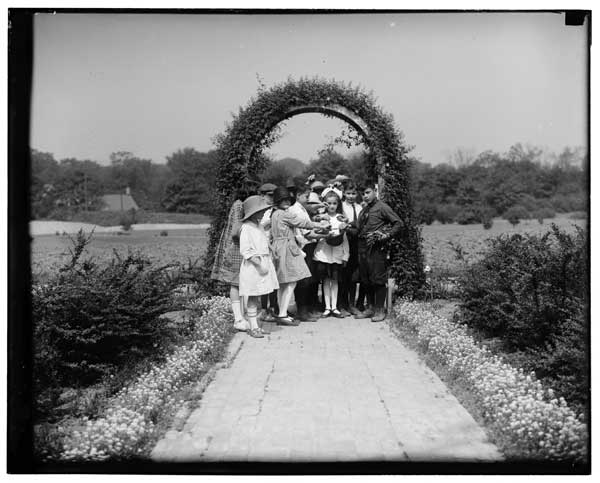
318,187
266,191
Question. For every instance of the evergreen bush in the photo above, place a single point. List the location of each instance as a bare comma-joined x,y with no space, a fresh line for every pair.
91,319
531,292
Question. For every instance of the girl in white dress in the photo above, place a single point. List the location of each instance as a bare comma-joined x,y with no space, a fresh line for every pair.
257,272
332,253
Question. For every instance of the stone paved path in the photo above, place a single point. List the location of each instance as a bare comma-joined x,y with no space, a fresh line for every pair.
334,390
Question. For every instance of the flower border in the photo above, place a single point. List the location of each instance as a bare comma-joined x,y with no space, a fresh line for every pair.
530,419
127,427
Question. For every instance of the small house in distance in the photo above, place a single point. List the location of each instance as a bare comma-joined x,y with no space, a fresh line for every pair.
119,202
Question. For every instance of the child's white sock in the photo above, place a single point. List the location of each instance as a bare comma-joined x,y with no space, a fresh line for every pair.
279,299
327,293
236,306
252,312
334,294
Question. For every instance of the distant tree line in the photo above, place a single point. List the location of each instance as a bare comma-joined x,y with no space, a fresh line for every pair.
468,189
516,184
181,185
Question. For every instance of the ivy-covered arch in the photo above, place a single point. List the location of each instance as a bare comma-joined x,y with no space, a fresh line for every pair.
253,129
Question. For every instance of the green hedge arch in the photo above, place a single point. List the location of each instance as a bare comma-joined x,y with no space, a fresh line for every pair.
240,148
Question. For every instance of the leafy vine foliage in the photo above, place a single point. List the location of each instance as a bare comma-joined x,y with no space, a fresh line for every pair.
254,129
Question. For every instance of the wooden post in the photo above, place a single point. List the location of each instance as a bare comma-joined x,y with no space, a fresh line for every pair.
390,290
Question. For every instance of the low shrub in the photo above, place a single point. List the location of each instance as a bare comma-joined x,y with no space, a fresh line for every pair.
531,292
468,216
567,203
447,213
543,213
90,319
127,219
532,204
515,214
426,213
164,233
474,214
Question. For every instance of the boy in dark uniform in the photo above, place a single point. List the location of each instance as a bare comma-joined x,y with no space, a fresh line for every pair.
377,223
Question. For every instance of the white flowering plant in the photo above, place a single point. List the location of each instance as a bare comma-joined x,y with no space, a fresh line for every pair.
126,428
530,419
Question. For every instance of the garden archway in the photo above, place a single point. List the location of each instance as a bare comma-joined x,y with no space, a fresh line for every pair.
251,131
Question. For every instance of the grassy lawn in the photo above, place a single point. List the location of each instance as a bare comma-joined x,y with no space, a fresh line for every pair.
51,251
180,245
437,238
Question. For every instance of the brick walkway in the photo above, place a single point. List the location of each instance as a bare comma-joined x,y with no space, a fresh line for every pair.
334,390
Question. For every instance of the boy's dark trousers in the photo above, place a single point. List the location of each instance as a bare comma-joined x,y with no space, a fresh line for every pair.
372,266
347,286
303,293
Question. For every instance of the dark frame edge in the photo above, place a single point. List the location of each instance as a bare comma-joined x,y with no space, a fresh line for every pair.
19,330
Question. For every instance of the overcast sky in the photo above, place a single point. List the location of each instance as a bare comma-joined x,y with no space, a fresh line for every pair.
152,84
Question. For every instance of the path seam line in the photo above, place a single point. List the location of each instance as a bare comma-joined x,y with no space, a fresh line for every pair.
387,411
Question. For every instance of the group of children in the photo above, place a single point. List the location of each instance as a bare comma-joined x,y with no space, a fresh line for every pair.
287,240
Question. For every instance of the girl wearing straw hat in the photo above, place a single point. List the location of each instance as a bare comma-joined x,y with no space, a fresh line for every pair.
257,273
226,266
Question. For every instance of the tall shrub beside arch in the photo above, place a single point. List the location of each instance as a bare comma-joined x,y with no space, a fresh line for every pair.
252,130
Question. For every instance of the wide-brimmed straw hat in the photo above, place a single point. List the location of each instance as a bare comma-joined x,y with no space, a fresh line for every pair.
253,204
281,194
317,184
